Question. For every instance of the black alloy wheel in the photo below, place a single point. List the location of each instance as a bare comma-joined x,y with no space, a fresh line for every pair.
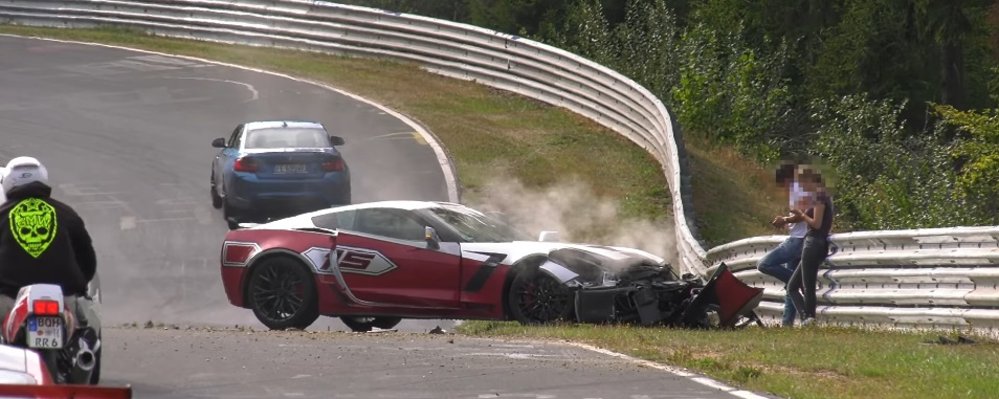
537,298
282,294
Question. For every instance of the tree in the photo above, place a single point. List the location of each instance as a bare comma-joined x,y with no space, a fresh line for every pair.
977,155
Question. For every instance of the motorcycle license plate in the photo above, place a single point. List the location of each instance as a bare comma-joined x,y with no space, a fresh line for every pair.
45,332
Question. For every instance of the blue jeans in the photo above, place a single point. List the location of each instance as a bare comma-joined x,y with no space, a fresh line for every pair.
780,264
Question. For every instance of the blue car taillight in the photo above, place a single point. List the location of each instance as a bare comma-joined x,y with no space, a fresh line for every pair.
245,164
333,165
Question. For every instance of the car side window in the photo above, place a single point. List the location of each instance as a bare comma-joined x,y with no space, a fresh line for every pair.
390,223
336,220
235,137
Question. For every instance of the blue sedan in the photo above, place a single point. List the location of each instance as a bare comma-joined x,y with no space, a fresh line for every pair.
276,169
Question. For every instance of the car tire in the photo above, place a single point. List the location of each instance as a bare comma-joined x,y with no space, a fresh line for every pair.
230,215
367,323
216,198
537,298
282,293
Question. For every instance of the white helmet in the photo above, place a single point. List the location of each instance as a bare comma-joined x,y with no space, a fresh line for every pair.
21,171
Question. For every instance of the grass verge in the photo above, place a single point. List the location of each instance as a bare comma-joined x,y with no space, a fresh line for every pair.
817,362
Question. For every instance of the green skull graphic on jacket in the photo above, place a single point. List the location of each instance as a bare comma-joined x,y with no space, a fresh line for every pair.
33,223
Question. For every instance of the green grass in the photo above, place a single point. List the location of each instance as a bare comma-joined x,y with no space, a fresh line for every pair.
734,198
816,362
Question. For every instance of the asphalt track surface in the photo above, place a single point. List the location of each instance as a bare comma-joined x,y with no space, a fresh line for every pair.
235,364
126,139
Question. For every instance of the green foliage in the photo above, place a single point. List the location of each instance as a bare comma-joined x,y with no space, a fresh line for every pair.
886,178
978,156
587,32
647,46
732,91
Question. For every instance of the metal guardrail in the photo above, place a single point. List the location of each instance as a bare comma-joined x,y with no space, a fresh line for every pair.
946,277
919,278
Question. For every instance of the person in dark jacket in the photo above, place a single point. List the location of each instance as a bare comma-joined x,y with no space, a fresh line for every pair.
42,240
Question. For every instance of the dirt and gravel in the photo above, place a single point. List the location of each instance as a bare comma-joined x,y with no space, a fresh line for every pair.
183,362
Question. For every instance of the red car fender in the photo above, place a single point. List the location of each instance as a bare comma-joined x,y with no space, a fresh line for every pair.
484,283
242,250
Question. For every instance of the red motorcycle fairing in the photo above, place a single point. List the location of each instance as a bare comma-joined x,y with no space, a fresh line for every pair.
14,322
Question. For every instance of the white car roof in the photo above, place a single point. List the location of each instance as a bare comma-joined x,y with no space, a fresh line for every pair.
272,124
305,219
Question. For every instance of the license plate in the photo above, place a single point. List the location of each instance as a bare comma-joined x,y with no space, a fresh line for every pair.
45,332
290,168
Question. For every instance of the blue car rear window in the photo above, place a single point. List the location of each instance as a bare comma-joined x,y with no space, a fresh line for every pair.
287,138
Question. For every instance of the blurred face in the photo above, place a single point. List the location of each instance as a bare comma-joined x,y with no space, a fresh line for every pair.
810,180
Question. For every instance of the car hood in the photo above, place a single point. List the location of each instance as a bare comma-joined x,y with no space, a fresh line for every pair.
518,250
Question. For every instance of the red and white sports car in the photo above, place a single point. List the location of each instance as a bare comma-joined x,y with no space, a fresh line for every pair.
373,264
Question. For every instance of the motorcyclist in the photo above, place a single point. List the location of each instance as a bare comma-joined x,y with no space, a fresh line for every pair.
42,240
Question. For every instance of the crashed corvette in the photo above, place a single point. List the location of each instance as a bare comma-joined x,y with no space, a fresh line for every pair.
373,264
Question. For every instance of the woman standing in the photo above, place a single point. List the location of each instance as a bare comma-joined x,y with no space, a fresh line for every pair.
815,249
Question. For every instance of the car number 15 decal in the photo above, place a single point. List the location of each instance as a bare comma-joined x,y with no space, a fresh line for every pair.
350,260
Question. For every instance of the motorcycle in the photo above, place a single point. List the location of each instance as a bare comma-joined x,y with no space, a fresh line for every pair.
40,321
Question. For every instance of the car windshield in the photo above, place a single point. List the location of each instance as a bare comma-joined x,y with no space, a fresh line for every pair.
287,138
476,227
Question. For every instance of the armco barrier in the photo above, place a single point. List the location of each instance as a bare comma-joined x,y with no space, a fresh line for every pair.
947,277
924,278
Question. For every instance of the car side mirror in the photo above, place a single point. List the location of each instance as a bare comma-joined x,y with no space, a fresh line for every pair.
548,236
218,143
337,140
433,240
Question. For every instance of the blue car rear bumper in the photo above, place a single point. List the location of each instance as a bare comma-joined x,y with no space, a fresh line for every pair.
248,192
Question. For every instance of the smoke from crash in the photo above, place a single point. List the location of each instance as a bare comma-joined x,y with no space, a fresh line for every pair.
573,209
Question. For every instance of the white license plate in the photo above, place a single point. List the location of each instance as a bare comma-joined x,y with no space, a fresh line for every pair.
290,168
45,332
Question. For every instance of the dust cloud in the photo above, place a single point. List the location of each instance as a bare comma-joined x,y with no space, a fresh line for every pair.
573,209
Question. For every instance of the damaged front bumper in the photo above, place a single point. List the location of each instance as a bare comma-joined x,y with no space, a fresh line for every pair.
653,295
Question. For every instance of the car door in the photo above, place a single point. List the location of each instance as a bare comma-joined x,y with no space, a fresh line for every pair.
227,156
384,260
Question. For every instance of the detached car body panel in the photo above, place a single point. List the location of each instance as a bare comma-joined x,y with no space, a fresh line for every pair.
419,259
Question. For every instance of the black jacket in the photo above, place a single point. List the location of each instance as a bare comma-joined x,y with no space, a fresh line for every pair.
43,241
